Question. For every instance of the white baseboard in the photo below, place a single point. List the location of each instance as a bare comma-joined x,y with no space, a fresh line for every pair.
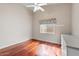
14,43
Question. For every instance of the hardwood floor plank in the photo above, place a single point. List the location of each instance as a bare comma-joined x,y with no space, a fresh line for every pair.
31,48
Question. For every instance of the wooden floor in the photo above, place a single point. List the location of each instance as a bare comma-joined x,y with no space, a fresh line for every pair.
32,47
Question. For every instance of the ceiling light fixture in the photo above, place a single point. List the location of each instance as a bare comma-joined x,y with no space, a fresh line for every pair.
37,6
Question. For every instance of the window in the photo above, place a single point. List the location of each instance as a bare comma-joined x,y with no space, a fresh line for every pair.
47,26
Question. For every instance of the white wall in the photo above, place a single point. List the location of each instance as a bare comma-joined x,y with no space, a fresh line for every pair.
75,19
62,12
74,41
15,24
